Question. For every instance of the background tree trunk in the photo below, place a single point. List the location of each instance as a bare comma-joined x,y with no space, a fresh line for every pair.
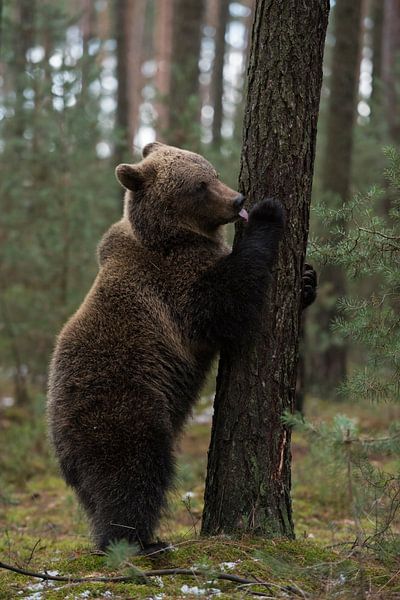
336,175
377,19
184,125
163,49
135,40
1,24
88,26
248,477
129,22
121,16
23,41
391,66
217,84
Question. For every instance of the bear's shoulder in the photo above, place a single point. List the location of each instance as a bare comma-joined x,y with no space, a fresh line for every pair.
118,242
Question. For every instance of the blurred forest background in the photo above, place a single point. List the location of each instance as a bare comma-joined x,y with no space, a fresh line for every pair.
84,84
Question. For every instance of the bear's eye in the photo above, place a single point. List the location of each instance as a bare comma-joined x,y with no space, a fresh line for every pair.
201,187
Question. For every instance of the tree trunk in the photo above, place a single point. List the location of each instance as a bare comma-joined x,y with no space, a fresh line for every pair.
391,66
88,24
377,19
122,144
336,174
163,49
1,24
23,41
129,23
184,126
248,477
217,84
135,40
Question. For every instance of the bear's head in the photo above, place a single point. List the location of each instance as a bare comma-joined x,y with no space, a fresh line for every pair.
174,189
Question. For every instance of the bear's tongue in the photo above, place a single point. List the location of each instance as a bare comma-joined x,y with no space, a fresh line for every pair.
244,214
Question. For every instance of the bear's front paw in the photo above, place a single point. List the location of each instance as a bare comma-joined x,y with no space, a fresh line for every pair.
308,285
268,211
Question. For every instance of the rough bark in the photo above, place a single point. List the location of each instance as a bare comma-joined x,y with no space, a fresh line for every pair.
336,175
391,66
184,126
217,84
248,477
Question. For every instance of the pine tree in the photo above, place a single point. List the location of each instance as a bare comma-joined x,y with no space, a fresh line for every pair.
248,475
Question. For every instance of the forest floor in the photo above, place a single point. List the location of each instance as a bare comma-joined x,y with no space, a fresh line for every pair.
43,529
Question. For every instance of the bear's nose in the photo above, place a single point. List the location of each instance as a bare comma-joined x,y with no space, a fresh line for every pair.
239,201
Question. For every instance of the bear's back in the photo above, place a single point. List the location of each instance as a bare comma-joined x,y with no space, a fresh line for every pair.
132,332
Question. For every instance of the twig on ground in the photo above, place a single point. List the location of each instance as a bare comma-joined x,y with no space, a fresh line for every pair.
33,551
140,574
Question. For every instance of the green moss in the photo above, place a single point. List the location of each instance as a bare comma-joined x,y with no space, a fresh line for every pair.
42,527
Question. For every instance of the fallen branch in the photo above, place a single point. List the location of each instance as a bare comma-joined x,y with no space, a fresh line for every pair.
140,574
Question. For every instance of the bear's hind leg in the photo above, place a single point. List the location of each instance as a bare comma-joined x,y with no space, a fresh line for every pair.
129,502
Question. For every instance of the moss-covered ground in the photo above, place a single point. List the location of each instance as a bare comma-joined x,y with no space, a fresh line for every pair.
43,529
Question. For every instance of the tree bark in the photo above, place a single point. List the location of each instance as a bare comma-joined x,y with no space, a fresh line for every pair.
336,175
184,125
217,84
248,477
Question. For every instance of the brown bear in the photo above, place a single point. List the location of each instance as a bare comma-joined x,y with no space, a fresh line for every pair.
129,364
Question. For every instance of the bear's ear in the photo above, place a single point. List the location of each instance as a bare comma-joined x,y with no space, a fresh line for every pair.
148,148
129,176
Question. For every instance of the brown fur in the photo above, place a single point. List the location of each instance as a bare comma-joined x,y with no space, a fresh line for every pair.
130,362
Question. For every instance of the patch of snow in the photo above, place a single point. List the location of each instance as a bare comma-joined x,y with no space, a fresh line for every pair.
7,401
159,581
187,496
196,591
228,565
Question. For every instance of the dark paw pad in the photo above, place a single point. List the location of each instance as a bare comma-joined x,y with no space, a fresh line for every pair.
268,211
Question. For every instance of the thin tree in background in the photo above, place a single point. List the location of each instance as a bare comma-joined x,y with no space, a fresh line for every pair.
122,117
129,31
336,176
391,66
135,39
163,50
184,117
377,21
23,41
248,477
217,82
1,22
88,24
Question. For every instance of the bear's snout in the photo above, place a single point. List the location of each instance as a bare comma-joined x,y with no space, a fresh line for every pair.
239,201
